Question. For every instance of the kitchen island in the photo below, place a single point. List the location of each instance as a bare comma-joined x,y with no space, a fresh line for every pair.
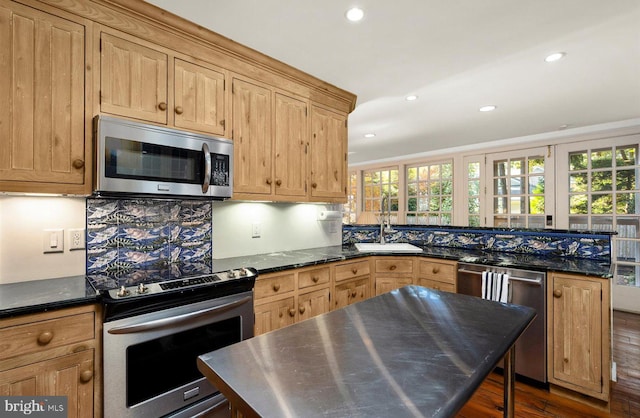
411,352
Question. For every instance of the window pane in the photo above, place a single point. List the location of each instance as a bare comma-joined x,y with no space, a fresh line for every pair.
626,156
536,222
536,185
474,170
601,181
474,205
412,190
423,204
517,167
394,175
447,171
578,182
434,203
517,185
368,191
447,204
500,186
434,172
626,275
601,204
536,165
412,174
474,188
447,187
601,158
384,176
578,204
474,220
578,222
412,204
578,161
423,173
501,221
626,179
626,203
602,223
628,227
627,250
445,219
499,168
500,205
536,205
434,187
517,205
518,221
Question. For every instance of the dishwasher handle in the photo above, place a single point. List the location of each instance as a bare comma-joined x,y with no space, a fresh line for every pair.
537,282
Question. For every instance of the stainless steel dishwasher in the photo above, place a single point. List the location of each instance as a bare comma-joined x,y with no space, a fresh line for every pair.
526,288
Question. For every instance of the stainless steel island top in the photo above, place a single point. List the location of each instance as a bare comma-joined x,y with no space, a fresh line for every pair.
413,352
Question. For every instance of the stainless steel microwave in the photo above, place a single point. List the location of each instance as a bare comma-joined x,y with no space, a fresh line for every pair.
139,159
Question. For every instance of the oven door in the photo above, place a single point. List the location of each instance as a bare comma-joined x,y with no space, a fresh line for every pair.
150,360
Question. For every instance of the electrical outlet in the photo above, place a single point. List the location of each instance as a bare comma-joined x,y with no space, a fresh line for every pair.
76,239
53,241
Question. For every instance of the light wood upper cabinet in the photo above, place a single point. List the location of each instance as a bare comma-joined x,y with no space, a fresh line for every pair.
199,98
252,138
133,80
328,155
579,333
290,146
42,102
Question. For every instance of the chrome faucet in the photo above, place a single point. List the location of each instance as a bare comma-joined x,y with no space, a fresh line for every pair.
385,227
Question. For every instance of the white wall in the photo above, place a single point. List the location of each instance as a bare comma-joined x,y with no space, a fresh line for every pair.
284,226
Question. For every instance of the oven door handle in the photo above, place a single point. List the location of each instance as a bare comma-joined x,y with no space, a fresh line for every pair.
177,320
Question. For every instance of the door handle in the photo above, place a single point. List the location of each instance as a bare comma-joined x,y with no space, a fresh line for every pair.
207,168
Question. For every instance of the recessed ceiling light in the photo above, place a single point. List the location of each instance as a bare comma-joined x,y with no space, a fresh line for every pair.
555,56
411,98
355,14
487,108
369,135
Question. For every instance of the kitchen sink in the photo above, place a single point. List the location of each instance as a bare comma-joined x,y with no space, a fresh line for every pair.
392,247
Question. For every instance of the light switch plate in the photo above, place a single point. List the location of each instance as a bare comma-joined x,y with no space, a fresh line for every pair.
53,241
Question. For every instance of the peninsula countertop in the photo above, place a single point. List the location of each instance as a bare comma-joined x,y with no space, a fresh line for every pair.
411,352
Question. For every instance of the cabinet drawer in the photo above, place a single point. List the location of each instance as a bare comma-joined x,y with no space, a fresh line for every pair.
394,265
442,272
43,335
273,285
313,277
434,284
350,270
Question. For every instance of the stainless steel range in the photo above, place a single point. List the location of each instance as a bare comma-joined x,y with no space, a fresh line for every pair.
153,333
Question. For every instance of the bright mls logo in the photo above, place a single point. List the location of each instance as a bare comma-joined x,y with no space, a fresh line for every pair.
33,406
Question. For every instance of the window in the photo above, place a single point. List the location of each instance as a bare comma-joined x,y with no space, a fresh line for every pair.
378,184
430,194
349,208
474,192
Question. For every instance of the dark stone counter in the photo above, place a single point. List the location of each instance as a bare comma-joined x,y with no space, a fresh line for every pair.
408,353
42,295
284,260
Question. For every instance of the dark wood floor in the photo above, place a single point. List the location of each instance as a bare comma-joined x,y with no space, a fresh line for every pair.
534,402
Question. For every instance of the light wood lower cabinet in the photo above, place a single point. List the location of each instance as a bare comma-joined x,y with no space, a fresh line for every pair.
352,283
579,356
288,297
54,354
437,274
392,273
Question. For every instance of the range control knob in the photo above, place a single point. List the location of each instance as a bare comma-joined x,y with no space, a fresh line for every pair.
123,292
243,272
232,274
142,288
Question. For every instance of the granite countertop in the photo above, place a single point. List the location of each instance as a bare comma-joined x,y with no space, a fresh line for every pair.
411,352
43,295
284,260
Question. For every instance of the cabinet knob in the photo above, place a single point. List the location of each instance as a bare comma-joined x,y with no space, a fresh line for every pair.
268,181
292,312
276,287
392,267
179,110
314,185
78,164
162,106
301,310
354,270
353,294
315,279
222,122
435,270
557,293
45,338
278,182
86,376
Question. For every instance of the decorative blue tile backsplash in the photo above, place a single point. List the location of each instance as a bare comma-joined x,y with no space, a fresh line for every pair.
135,240
590,245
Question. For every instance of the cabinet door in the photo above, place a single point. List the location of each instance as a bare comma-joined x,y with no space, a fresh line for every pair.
70,376
133,80
351,292
387,284
252,138
576,334
199,98
290,145
274,315
328,154
313,303
42,104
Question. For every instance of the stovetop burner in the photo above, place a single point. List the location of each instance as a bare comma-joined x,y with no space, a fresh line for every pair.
127,301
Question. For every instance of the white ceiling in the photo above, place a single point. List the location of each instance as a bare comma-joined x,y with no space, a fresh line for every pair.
456,55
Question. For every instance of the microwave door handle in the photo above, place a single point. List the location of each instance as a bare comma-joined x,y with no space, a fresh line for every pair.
179,319
207,168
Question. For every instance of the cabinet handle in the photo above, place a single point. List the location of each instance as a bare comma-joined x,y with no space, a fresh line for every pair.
557,293
86,376
353,294
78,164
162,106
276,287
315,279
435,270
269,181
45,338
392,267
278,182
314,185
292,312
222,122
179,110
301,310
354,270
